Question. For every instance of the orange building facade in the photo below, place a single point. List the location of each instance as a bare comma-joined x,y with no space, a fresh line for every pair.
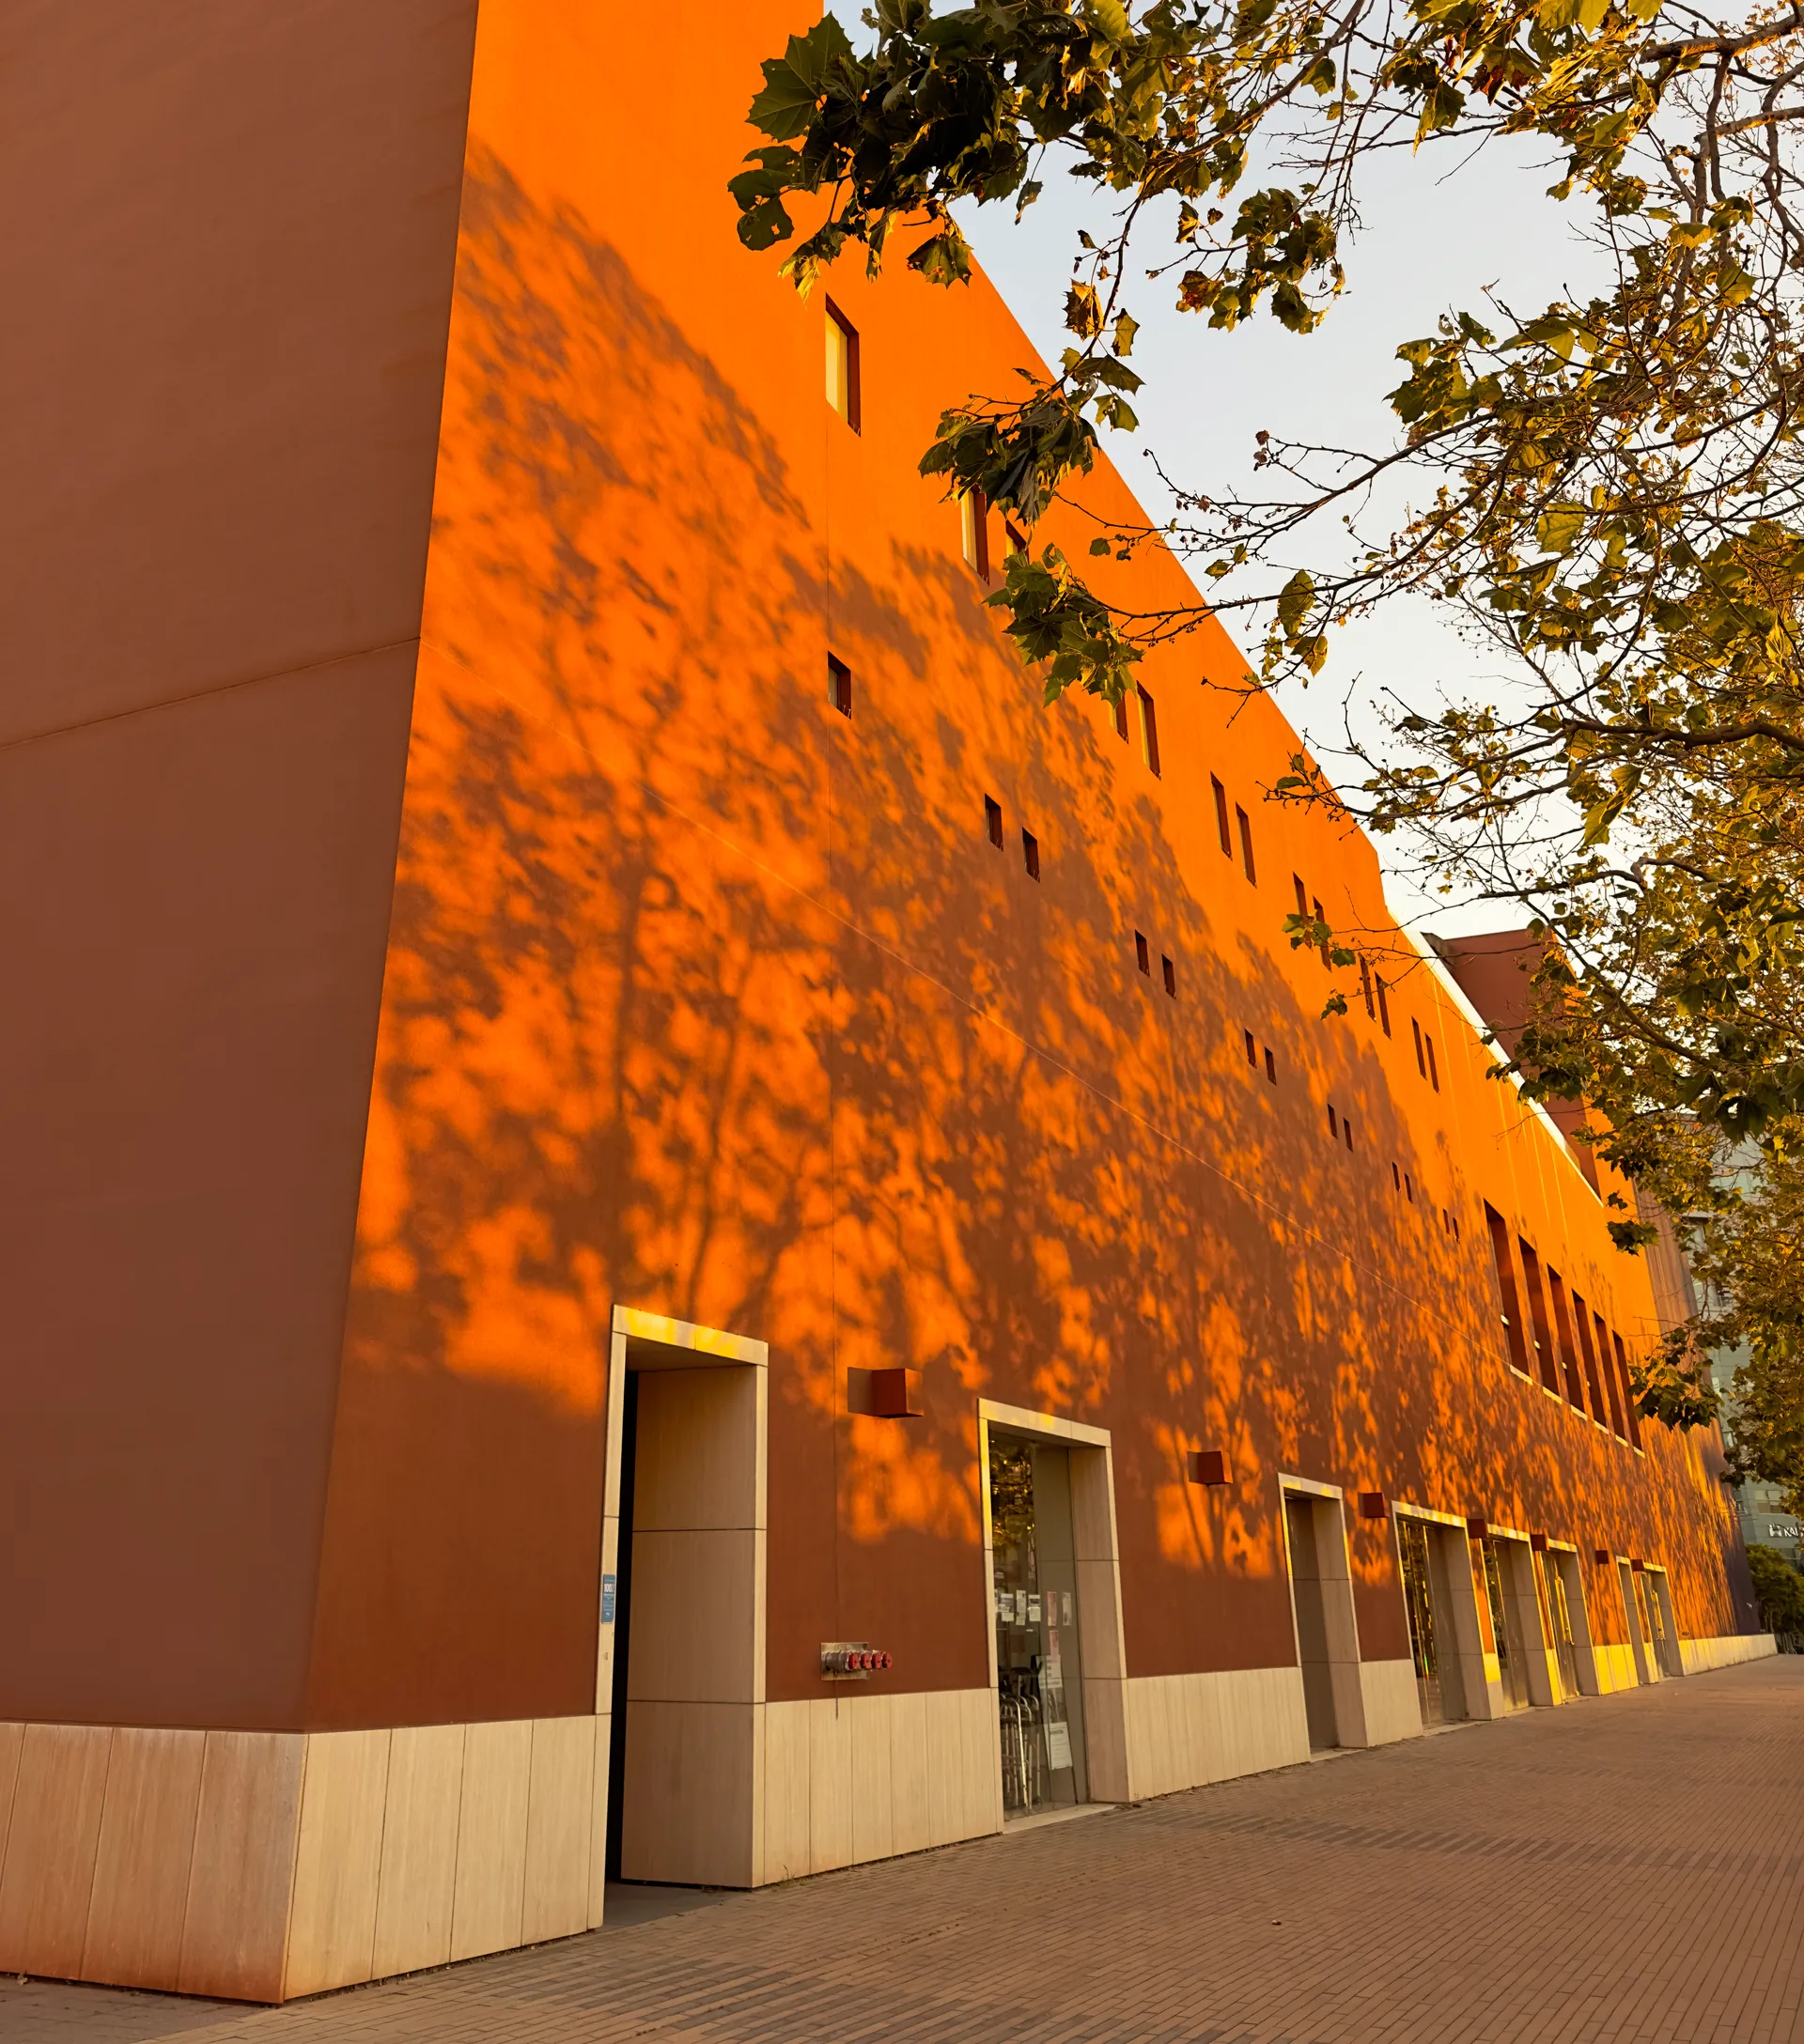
659,1228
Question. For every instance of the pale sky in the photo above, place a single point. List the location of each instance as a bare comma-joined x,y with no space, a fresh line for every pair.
1440,227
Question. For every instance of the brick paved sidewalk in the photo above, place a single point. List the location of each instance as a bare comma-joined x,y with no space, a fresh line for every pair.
1631,1869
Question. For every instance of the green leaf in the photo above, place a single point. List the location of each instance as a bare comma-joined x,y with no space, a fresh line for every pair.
794,82
1559,526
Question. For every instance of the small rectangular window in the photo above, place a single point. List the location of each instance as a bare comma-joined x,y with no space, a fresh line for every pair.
1599,1409
1121,718
1221,794
1421,1063
839,686
1434,1070
1396,1178
1611,1384
1384,1009
1171,976
1347,1131
1321,918
1014,536
842,366
1252,1050
1569,1348
993,820
1148,730
1142,954
1365,989
1031,854
1408,1189
1246,844
1333,1122
1271,1067
973,511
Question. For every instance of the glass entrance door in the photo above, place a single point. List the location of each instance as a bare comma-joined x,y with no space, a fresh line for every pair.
1512,1658
1039,1686
1412,1540
1560,1627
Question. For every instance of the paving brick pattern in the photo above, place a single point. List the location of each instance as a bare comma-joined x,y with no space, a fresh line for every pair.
1631,1869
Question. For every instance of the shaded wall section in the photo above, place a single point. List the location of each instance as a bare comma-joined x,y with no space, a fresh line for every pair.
227,234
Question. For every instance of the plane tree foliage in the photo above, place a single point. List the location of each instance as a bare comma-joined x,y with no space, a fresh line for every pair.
1609,490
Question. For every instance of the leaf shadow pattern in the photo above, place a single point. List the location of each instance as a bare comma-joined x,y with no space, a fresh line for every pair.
706,998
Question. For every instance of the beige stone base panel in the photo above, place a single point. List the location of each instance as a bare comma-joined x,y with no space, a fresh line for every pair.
262,1866
1392,1701
855,1777
1615,1667
1727,1650
1184,1730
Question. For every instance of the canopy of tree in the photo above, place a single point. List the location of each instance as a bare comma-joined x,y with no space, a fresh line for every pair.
1611,490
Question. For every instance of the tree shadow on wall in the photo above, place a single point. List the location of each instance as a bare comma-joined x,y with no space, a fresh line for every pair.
703,999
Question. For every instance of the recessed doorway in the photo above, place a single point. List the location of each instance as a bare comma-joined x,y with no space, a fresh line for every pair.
1040,1664
1328,1638
1429,1555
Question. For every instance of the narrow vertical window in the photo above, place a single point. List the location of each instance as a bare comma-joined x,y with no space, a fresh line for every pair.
1246,844
1434,1070
1599,1410
1421,1063
1333,1122
1148,730
1326,960
1617,1425
1384,1009
1121,718
973,511
1221,794
839,686
1017,538
1303,897
1545,1362
1512,1308
1628,1391
1142,954
1397,1178
1408,1189
842,366
1252,1050
1271,1067
993,820
1365,989
1347,1131
1569,1351
1169,970
1031,854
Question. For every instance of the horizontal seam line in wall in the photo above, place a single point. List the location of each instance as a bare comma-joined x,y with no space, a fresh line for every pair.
201,695
876,943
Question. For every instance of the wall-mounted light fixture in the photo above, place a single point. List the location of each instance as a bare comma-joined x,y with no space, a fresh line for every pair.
1374,1505
1538,1542
881,1394
1478,1529
1207,1466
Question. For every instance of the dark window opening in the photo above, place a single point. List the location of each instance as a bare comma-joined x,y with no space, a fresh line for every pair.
843,368
1246,844
1569,1348
1171,976
1016,537
1142,954
1421,1063
1365,989
1303,897
1617,1425
973,508
1031,854
839,685
1253,1050
1148,732
1546,1364
1121,718
1628,1391
1384,1009
1221,794
1347,1131
1333,1121
1271,1068
1408,1189
1434,1070
1397,1178
1599,1411
993,820
1323,920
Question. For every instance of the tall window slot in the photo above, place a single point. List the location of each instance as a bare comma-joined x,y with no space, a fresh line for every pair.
1434,1070
842,366
973,511
1365,989
1512,1307
993,820
1628,1391
1221,794
1031,854
1617,1424
1549,1368
1170,971
839,686
1384,1009
1142,954
1327,958
1246,844
1121,718
1421,1063
1148,730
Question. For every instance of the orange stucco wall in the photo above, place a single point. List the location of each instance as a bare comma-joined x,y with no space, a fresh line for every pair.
701,997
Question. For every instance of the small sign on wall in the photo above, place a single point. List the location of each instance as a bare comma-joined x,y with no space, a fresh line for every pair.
607,1599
